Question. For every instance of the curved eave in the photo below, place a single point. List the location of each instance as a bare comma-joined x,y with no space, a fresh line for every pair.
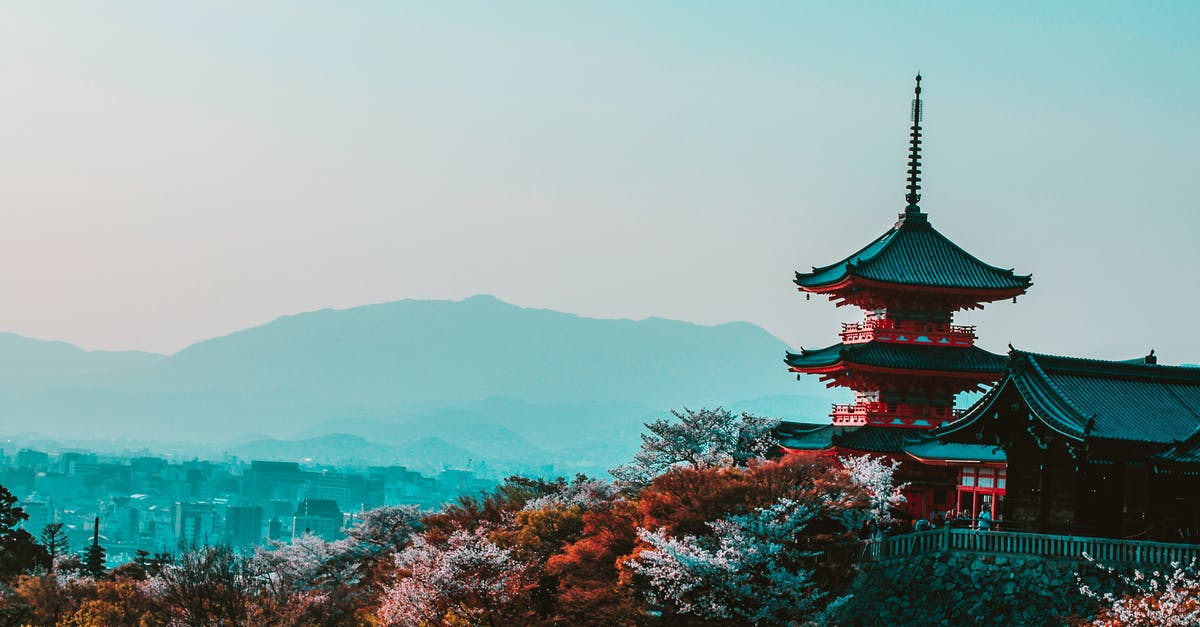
859,368
825,450
974,412
1049,404
841,357
938,461
986,405
851,282
868,251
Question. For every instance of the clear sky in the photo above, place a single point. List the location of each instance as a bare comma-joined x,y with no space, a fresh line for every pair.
174,171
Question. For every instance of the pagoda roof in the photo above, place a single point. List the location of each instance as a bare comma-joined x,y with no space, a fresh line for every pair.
878,439
806,436
913,253
920,445
888,355
1136,400
800,436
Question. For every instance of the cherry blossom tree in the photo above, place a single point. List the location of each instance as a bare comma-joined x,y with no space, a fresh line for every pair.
1167,598
583,492
467,579
749,569
369,550
699,439
306,563
877,475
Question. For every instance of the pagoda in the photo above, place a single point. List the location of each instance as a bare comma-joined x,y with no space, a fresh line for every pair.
906,360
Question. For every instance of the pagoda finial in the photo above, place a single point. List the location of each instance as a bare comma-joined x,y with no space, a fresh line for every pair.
914,153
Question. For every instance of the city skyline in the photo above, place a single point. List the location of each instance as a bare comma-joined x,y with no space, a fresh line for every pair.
178,173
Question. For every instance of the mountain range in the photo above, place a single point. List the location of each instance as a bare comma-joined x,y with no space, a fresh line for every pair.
482,378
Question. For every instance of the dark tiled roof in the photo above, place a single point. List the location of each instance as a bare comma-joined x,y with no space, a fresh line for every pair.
863,439
873,439
918,443
915,253
902,356
1091,398
805,436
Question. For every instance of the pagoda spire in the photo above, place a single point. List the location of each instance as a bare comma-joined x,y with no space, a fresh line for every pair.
913,196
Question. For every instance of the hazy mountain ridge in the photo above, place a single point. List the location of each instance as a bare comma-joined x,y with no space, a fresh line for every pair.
500,378
28,364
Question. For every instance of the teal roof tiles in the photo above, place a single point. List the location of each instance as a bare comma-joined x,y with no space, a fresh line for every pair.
1110,400
914,253
902,357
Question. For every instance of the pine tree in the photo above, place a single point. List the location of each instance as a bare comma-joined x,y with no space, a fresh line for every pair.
55,540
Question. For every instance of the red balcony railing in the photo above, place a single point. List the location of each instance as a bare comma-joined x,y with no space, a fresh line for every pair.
898,414
907,332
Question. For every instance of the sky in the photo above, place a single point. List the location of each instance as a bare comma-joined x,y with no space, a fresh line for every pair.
175,171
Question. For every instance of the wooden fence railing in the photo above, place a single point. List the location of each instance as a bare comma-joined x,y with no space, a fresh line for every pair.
1103,550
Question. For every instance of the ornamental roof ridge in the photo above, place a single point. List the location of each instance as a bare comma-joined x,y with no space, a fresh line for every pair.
1086,366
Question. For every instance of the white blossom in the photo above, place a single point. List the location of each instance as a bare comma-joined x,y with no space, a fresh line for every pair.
468,576
704,438
304,564
877,476
586,494
749,568
384,528
1170,599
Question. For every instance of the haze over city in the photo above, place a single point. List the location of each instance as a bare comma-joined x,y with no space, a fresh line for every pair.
174,172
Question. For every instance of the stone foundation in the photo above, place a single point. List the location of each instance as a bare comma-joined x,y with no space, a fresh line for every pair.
966,589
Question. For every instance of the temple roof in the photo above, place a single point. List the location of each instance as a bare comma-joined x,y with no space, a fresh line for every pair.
1135,400
806,436
800,436
933,452
876,439
913,253
970,359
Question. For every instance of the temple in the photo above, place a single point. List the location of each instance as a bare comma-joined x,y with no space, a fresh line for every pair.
1057,444
1093,447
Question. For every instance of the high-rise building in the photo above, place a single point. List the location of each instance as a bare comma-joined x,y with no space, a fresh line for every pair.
320,517
243,525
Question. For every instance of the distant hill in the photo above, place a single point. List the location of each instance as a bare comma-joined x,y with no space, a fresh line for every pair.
27,363
398,372
420,351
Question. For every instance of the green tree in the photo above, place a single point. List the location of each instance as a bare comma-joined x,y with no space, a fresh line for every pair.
19,552
55,540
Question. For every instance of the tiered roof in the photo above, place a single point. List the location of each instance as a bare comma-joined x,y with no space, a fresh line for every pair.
875,439
802,436
916,359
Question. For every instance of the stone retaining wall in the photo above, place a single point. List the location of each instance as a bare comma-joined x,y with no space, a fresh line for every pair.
966,589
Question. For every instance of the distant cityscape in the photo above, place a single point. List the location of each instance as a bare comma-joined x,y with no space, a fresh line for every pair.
156,504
